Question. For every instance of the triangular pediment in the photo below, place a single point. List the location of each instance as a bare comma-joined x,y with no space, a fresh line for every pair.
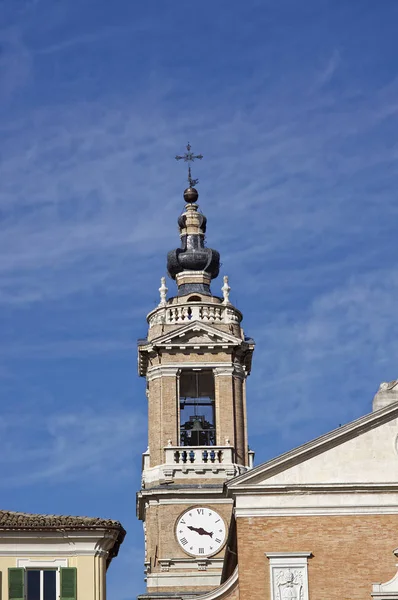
196,334
364,451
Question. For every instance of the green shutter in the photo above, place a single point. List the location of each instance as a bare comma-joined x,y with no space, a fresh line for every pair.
16,584
68,584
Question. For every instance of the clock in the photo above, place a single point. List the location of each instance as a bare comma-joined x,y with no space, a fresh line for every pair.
201,531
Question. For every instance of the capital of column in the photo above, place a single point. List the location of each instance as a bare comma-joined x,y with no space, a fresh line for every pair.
236,370
162,371
224,370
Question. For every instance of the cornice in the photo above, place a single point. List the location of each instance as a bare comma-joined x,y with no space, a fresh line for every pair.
313,448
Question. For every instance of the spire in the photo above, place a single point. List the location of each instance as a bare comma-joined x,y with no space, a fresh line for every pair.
193,265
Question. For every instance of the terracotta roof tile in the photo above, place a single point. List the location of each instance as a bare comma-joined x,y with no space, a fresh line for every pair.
16,520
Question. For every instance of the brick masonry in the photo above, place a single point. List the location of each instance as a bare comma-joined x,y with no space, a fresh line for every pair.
350,553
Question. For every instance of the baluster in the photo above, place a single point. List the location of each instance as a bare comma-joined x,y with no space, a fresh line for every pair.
205,456
184,456
177,456
212,456
191,456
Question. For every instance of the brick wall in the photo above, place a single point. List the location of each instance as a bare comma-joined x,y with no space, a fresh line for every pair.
161,539
350,553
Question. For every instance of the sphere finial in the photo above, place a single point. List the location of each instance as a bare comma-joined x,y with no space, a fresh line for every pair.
191,195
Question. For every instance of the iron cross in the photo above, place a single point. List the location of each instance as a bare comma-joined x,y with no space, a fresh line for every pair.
190,157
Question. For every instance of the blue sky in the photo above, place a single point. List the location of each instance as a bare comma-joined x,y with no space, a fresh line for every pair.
294,105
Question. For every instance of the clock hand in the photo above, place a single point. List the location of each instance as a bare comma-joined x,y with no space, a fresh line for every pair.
200,531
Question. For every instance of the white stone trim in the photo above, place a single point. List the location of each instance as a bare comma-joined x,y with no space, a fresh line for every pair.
175,564
319,512
225,370
187,500
55,564
310,504
183,580
56,543
171,370
29,563
388,590
314,447
223,589
289,569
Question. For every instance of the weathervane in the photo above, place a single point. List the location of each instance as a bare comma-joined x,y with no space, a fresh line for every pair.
190,157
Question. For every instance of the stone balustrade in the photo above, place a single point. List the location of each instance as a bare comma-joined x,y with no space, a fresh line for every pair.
192,462
198,311
199,455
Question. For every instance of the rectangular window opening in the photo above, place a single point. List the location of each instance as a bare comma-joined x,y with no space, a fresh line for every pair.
41,584
197,409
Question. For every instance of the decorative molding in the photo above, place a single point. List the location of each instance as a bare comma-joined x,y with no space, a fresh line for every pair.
224,589
225,370
164,564
162,371
316,512
388,590
305,501
314,447
180,580
185,499
289,575
29,563
56,543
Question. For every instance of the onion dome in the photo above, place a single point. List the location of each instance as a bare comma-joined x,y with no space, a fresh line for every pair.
193,265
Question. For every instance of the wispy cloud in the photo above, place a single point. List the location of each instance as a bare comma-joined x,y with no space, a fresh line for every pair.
294,108
15,63
328,71
66,446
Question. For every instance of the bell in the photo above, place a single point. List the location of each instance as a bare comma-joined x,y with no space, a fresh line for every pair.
197,426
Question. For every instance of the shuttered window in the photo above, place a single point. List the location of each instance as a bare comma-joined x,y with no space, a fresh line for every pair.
68,584
16,584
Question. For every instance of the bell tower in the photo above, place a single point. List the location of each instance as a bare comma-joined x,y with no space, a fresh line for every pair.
195,359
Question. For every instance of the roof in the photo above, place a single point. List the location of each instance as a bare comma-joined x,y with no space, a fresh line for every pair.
20,520
17,521
313,448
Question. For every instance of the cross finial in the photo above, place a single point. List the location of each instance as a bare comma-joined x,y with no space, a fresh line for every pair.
190,157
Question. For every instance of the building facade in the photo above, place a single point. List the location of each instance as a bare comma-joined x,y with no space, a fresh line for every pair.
319,522
50,557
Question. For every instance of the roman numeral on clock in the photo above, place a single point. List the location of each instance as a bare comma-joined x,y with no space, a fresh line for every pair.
201,550
217,541
200,511
183,541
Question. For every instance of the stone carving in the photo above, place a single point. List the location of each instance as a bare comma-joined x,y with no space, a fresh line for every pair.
388,590
163,292
386,394
390,385
289,584
225,290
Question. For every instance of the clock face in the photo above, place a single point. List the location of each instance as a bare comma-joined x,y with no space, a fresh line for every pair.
201,531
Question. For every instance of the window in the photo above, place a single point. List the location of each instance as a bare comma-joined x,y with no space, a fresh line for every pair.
36,583
41,584
197,411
